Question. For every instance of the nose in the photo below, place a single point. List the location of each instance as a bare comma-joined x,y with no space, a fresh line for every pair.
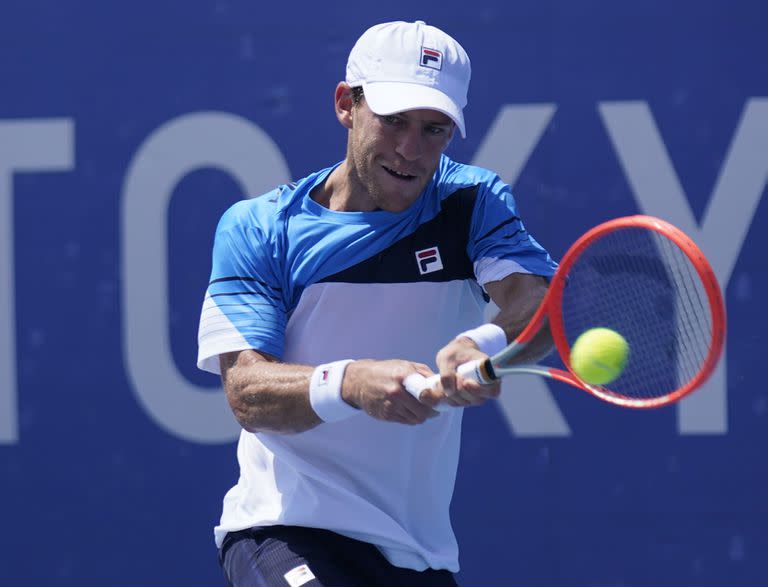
409,145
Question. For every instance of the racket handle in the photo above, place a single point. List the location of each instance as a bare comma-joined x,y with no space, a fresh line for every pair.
479,370
476,370
415,383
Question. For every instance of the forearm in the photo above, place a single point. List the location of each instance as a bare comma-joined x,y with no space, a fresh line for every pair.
540,346
518,304
268,396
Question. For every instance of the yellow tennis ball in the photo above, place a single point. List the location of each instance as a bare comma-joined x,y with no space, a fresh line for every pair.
599,355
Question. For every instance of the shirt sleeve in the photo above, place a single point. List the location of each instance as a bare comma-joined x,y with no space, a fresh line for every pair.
244,304
499,243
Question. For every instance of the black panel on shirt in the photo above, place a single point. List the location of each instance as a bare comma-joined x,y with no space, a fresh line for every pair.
448,231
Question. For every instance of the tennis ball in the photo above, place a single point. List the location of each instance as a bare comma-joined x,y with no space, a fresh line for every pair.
599,355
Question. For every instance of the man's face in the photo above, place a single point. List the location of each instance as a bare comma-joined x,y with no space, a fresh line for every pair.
393,157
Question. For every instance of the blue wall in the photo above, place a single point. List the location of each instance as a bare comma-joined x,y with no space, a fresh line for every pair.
125,131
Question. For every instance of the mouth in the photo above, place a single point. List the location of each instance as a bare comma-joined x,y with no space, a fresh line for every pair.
398,174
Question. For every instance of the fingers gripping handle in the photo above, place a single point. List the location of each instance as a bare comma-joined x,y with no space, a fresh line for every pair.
416,383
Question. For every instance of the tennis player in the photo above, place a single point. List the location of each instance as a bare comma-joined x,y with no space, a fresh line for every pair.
325,294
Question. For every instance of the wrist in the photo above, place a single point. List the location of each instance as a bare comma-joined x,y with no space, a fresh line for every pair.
489,338
325,392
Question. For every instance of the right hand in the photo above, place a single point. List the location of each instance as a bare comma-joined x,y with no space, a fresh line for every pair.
376,387
461,391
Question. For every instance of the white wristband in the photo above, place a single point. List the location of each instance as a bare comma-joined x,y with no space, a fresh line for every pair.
325,392
489,338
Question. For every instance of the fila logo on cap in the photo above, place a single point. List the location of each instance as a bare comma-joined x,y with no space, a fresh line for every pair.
431,58
429,260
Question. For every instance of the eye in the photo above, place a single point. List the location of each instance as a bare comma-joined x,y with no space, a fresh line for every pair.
390,119
435,130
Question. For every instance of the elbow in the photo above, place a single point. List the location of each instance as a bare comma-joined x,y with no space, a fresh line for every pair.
245,407
245,419
257,411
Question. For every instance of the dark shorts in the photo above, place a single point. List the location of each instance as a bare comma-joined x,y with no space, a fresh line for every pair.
290,556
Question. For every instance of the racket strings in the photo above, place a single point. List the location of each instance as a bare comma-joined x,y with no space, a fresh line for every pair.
692,308
642,285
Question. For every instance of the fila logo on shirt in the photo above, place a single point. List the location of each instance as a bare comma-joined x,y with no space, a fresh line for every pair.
431,58
429,260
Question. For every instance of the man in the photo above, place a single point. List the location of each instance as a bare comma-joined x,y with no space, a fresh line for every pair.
327,293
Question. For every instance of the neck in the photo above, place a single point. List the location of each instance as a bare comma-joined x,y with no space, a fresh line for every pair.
342,191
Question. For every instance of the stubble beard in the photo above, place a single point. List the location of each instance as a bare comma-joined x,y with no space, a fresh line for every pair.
364,176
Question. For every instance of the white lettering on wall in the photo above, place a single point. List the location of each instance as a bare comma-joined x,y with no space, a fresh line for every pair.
526,402
723,227
26,146
241,149
185,144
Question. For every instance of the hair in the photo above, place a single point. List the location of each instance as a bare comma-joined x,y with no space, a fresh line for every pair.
357,95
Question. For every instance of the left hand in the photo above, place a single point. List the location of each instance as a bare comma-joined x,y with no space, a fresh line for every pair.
459,391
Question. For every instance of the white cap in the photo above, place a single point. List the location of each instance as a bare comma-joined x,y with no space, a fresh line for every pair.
407,66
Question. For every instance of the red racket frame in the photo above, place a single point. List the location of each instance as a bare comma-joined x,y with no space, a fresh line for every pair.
551,307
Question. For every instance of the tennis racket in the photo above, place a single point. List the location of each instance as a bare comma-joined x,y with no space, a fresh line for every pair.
643,278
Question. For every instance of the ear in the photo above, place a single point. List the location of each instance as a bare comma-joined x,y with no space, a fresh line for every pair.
343,104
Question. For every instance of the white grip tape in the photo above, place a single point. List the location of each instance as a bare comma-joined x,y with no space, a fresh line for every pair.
416,383
471,370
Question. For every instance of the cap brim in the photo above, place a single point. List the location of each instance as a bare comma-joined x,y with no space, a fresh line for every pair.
391,97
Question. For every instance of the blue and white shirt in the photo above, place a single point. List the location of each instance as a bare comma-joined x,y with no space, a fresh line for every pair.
309,285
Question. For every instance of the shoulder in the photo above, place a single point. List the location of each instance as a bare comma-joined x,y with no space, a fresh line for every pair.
251,212
260,214
265,213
